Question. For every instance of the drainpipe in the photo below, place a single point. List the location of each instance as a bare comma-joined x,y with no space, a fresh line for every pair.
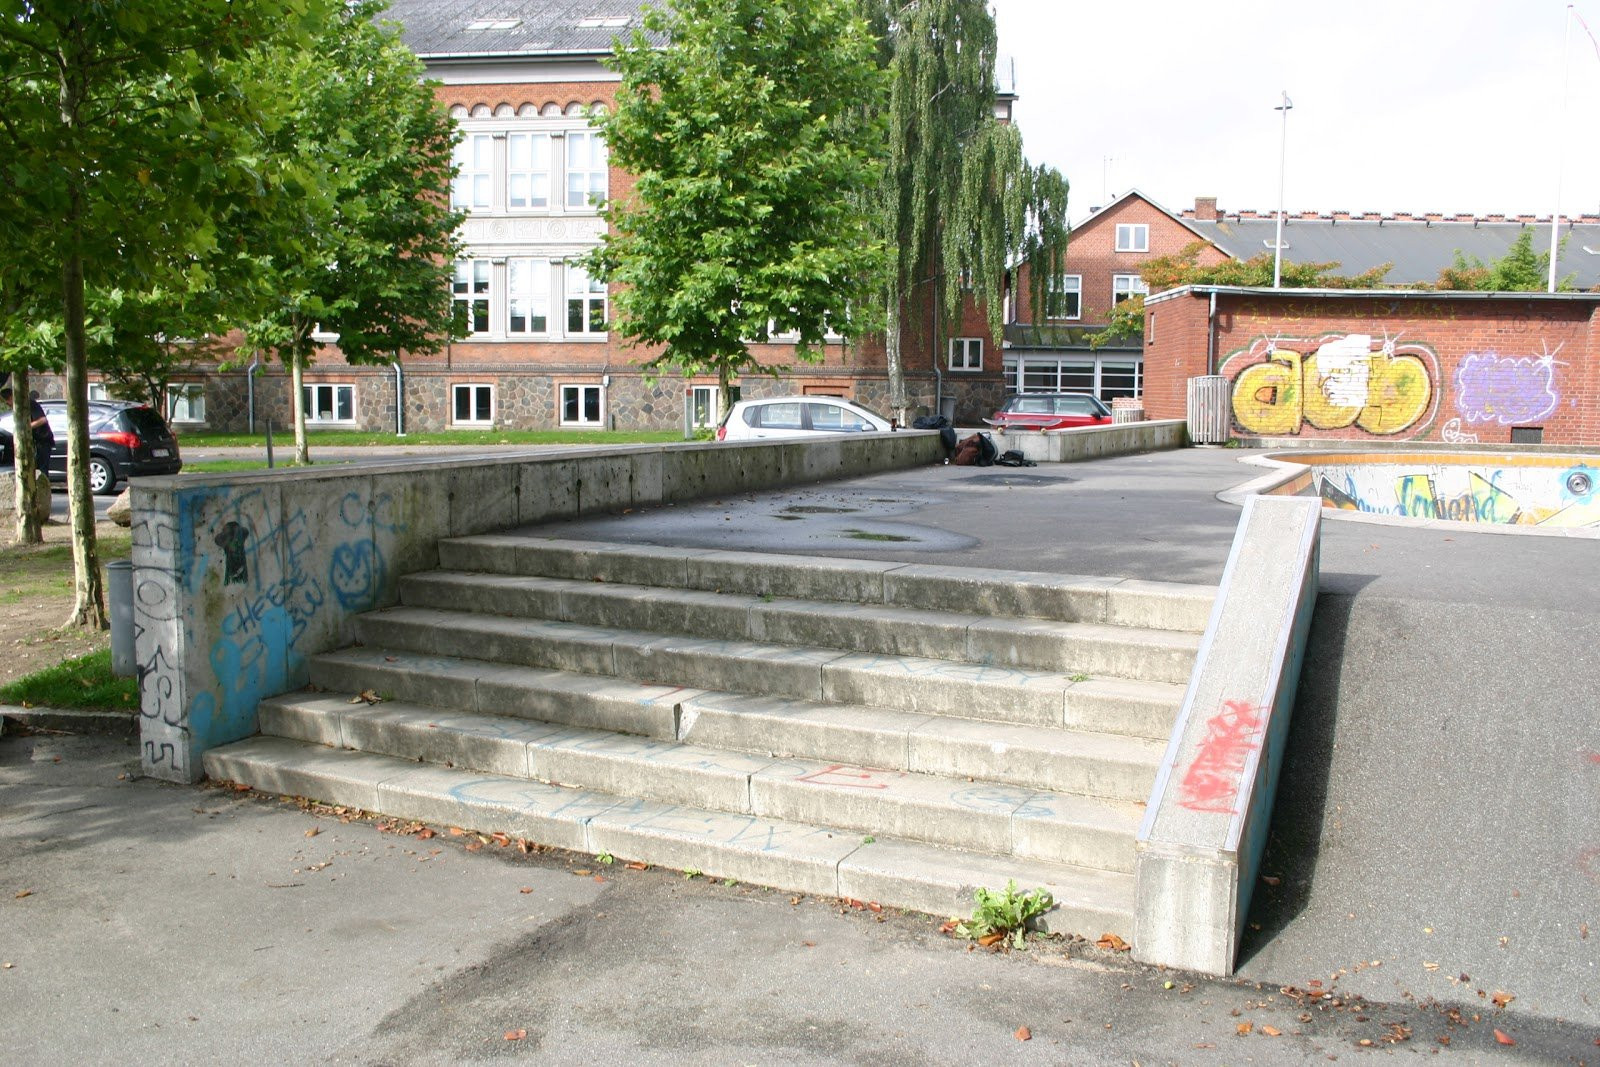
938,387
399,400
250,388
1211,336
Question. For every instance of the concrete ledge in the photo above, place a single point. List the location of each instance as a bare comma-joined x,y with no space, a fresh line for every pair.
1094,442
1205,827
240,578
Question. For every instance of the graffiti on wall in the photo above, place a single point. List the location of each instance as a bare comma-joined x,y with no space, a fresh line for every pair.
1507,390
1212,780
1529,495
1331,383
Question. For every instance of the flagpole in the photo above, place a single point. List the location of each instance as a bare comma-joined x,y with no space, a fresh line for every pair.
1561,151
1283,157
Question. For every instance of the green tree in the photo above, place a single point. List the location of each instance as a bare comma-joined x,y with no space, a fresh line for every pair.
1520,270
28,340
750,135
960,202
1184,268
120,143
365,245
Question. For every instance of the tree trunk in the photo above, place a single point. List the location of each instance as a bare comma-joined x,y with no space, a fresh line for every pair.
29,531
893,361
297,376
724,394
89,604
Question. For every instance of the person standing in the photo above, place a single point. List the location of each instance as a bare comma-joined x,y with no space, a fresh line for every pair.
44,438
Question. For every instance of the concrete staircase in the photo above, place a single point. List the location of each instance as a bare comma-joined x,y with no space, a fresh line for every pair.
881,731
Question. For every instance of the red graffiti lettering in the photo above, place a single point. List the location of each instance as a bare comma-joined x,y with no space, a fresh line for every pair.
1211,783
839,774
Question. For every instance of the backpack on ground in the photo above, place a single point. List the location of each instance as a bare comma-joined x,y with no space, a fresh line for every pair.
987,452
1013,458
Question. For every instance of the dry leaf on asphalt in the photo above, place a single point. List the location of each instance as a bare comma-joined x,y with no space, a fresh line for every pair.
456,831
583,872
314,831
526,889
516,1035
366,696
425,833
637,866
1112,943
474,846
1504,1038
23,893
1272,1031
1024,1034
1245,1028
991,939
1502,999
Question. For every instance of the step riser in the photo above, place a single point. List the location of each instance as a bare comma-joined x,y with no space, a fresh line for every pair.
986,817
746,848
844,626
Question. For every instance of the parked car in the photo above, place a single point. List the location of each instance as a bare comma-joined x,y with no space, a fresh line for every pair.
125,441
798,416
1050,411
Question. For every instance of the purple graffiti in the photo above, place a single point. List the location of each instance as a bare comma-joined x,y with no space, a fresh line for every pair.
1506,389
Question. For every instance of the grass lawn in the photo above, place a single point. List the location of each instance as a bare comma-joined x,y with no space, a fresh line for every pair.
361,438
38,573
85,682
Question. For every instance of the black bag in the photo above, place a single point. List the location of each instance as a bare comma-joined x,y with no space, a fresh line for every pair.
929,422
947,437
1012,458
987,452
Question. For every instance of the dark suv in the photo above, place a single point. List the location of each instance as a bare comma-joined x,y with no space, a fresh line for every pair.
125,440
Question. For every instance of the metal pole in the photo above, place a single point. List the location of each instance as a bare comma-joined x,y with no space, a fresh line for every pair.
1561,150
1283,158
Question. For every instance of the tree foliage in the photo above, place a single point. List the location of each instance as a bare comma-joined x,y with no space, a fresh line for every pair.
1520,270
360,238
750,135
960,202
1183,267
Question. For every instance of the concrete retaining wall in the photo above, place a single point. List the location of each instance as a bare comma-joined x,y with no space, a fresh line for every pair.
1205,828
1094,442
239,578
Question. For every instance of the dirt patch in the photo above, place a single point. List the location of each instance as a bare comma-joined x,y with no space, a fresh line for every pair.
36,598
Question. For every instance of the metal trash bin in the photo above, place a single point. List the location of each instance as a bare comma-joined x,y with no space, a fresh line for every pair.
119,598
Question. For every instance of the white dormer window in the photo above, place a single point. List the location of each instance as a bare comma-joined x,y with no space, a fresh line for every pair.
1133,237
595,22
494,24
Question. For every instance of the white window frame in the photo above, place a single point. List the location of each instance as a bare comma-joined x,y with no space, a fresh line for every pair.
470,285
527,284
473,186
1126,286
1060,291
1133,237
586,183
583,294
581,388
531,172
705,398
181,396
311,389
970,351
99,391
475,390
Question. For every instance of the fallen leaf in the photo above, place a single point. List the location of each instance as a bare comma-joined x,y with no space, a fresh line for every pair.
945,928
1024,1034
526,847
474,846
240,787
809,944
366,696
516,1035
583,872
23,893
456,831
874,906
6,966
1504,1038
1272,1031
1245,1028
1365,1042
991,939
1112,943
1429,966
503,840
599,877
314,831
425,833
1502,999
1583,931
637,866
526,889
1271,879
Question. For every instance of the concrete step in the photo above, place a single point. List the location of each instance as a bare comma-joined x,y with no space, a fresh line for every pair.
964,590
796,856
740,728
1089,648
906,683
958,812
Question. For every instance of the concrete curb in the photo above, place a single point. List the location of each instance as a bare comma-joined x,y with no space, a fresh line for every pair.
73,721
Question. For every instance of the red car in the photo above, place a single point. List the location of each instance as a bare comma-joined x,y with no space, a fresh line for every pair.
1050,411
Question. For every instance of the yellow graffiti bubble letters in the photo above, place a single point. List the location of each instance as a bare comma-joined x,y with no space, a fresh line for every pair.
1266,397
1344,383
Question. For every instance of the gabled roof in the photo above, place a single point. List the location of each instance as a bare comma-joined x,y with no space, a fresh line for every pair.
1130,194
1418,246
440,29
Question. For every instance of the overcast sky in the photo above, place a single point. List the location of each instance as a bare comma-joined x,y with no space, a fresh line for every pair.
1399,105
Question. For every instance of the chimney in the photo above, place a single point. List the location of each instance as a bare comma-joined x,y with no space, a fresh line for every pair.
1205,208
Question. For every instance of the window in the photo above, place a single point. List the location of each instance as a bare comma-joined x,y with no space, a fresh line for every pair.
1120,379
586,302
703,405
582,405
784,415
586,169
98,391
471,288
835,419
1065,299
473,405
329,403
186,402
966,353
528,170
1149,327
527,296
1133,237
1124,286
474,181
1103,378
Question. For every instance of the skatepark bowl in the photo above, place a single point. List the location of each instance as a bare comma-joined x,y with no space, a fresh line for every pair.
1535,492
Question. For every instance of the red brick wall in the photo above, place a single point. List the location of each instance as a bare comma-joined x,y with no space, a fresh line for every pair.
1435,369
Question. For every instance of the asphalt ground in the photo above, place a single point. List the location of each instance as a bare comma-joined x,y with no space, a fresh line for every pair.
1436,843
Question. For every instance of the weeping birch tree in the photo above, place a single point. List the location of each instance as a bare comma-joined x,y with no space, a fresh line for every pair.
960,200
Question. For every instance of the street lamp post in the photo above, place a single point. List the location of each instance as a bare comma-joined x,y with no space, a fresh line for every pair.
1283,156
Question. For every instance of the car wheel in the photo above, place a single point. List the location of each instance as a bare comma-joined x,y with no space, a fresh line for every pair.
102,476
